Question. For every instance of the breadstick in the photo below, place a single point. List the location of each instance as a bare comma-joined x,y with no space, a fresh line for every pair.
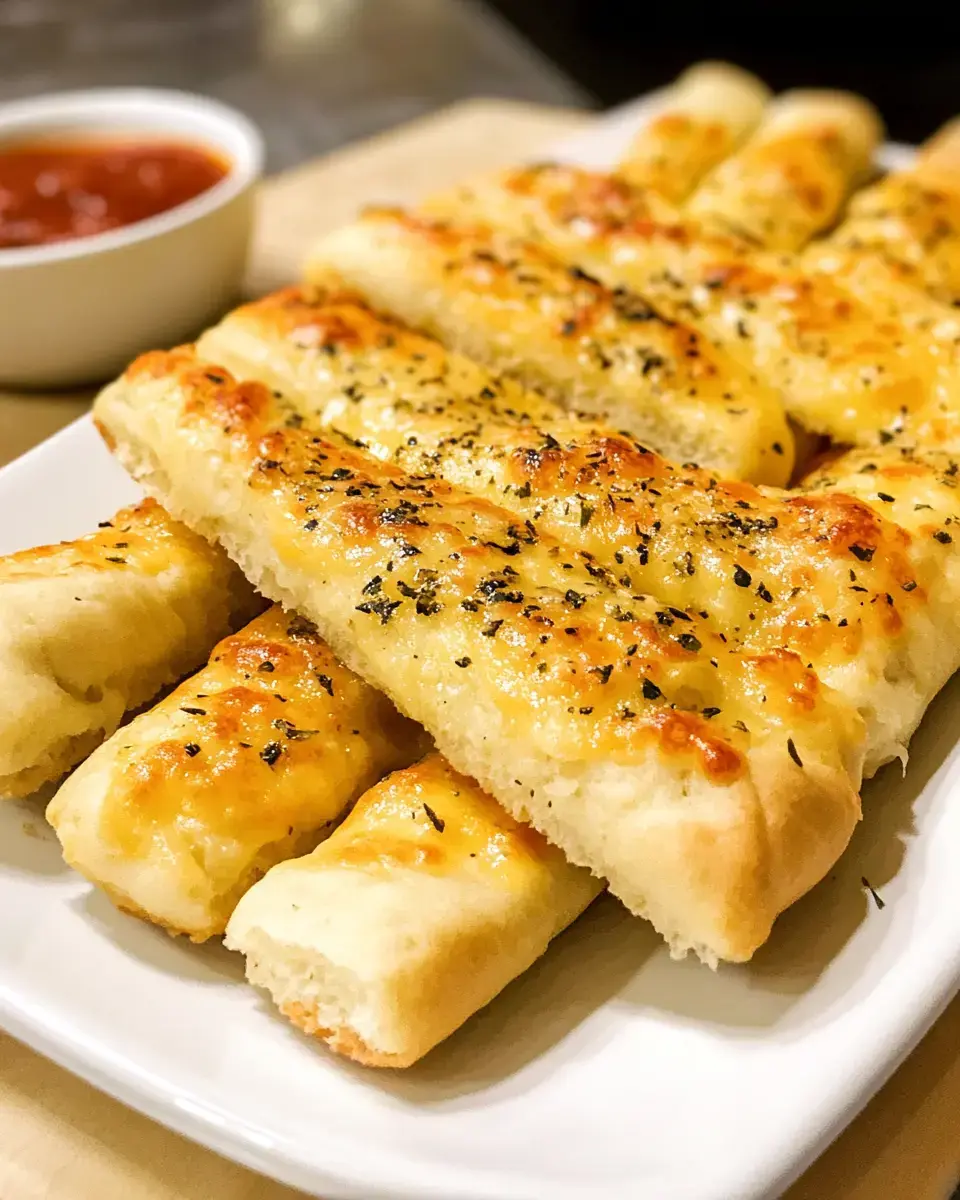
911,219
252,760
422,906
711,788
95,627
705,115
789,182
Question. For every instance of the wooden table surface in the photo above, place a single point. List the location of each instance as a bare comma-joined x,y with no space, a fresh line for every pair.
62,1140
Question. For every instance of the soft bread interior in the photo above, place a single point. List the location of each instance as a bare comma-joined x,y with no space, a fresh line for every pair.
414,914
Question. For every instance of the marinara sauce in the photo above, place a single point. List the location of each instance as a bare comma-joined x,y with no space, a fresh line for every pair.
55,191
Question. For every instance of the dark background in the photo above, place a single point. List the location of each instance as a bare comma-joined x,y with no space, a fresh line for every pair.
315,74
904,57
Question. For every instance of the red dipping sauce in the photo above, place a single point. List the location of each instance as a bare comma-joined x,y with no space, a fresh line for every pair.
57,191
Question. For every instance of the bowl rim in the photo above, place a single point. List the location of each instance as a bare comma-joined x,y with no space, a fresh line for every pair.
219,126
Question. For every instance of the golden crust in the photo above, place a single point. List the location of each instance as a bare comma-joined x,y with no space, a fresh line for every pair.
791,179
505,302
251,760
93,628
707,112
911,220
341,1041
837,579
844,367
461,603
414,914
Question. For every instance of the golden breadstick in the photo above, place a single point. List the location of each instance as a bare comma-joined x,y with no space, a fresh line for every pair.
252,760
705,115
911,219
710,787
94,627
792,177
424,904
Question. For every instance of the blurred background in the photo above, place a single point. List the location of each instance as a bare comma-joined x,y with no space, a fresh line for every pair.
317,73
313,74
905,58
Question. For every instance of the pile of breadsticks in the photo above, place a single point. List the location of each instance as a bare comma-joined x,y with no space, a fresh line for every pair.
612,512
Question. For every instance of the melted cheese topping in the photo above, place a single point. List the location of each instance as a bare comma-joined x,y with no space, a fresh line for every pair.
833,577
272,737
430,818
844,368
509,304
918,487
911,219
142,538
791,179
708,112
542,628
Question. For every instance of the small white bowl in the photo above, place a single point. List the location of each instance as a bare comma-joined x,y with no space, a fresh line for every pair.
77,311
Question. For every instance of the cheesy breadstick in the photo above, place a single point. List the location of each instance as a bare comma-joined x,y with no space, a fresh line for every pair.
705,115
92,628
422,906
911,219
711,788
252,760
792,177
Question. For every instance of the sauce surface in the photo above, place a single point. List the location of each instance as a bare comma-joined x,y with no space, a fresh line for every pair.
58,191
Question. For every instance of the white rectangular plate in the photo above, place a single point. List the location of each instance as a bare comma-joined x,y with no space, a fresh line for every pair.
607,1071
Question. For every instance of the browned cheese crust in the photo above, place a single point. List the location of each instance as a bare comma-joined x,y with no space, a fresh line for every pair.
846,367
252,760
509,304
92,628
710,787
850,584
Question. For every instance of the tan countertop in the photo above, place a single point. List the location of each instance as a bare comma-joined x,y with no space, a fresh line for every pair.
62,1140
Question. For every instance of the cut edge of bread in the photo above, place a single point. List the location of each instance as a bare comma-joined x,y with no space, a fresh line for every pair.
316,995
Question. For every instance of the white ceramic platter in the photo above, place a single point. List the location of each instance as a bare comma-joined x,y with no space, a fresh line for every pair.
606,1072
